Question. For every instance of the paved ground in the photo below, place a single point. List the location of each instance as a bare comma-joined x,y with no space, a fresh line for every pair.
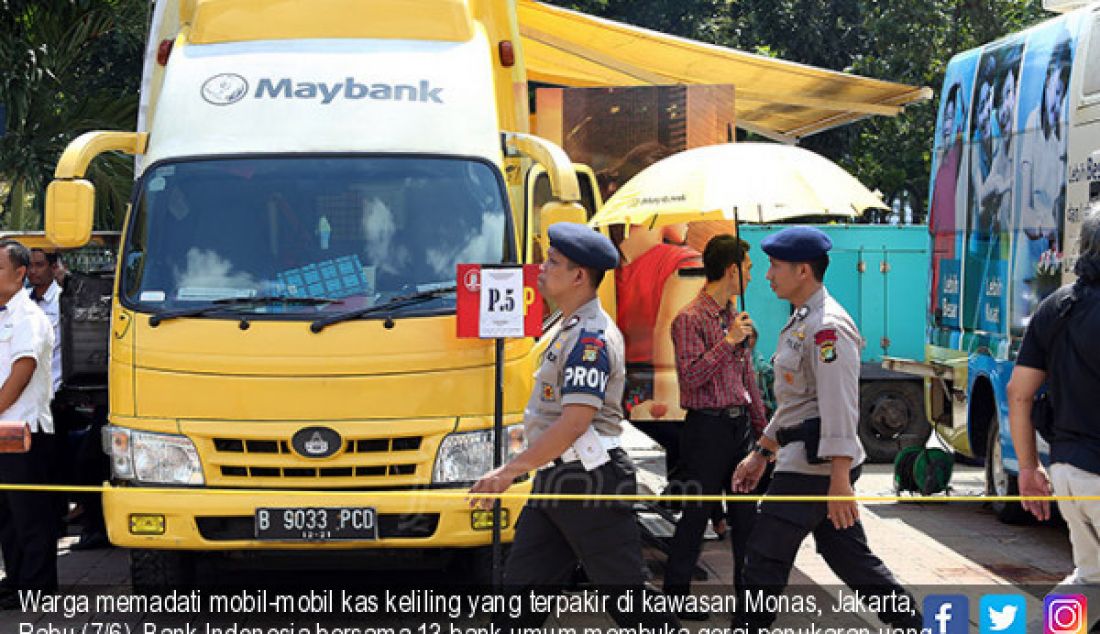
933,548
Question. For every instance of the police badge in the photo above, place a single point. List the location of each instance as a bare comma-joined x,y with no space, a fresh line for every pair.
826,345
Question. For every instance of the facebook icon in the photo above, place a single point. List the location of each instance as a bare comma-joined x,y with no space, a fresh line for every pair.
946,614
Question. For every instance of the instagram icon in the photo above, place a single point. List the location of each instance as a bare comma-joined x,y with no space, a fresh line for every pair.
1065,614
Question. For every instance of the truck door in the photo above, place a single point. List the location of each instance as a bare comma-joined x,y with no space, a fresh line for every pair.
538,194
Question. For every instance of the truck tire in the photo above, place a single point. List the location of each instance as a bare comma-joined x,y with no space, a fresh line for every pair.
891,418
999,481
154,571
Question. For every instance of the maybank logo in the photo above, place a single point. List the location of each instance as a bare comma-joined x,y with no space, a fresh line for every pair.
224,89
229,88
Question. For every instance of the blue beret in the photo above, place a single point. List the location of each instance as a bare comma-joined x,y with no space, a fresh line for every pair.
584,246
797,244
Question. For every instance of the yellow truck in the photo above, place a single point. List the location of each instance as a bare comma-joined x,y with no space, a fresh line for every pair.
283,357
284,370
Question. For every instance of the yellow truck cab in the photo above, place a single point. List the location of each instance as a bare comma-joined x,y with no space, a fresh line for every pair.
283,353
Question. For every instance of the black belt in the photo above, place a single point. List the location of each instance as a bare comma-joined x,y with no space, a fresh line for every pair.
736,411
613,452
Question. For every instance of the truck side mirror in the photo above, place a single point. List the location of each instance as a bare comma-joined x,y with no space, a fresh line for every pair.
556,211
70,206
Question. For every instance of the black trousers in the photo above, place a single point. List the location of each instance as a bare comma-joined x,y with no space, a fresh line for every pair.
779,531
28,519
92,468
711,448
667,434
552,537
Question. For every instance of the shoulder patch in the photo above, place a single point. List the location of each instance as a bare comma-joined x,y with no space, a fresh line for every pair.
588,366
826,345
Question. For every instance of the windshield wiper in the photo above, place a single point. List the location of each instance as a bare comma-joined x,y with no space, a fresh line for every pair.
401,301
219,304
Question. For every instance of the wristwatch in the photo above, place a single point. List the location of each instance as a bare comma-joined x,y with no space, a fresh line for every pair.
764,451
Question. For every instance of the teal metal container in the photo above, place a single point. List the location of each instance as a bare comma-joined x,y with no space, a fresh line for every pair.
879,273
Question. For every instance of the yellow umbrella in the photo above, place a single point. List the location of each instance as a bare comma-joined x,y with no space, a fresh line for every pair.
743,182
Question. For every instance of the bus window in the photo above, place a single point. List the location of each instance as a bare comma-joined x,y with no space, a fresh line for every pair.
1092,60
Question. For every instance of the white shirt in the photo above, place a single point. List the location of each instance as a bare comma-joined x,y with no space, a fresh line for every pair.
25,332
51,305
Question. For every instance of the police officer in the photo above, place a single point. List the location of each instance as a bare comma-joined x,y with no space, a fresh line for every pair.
812,438
573,422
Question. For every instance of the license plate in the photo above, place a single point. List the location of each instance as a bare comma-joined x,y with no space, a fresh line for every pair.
316,524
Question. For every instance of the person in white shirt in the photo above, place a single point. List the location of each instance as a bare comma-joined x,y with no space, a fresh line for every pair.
28,529
77,452
46,292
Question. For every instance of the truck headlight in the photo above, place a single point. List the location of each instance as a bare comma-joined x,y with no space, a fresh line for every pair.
152,458
466,456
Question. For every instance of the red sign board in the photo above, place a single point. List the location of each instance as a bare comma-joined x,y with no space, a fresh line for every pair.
472,309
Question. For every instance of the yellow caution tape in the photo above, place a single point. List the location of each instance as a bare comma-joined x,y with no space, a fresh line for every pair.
462,494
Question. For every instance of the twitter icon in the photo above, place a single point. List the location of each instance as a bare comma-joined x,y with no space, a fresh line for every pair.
1003,614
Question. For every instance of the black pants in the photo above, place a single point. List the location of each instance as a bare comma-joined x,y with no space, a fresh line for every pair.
92,468
779,531
552,537
711,448
63,460
667,434
28,519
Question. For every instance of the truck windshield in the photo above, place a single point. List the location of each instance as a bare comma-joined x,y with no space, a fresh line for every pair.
355,230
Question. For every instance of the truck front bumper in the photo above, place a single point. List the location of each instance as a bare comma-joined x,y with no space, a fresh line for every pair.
213,519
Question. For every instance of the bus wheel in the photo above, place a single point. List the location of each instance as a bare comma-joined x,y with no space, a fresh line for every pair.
153,571
999,481
891,418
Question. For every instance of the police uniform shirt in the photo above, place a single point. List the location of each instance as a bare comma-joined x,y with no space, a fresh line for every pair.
817,376
584,364
25,331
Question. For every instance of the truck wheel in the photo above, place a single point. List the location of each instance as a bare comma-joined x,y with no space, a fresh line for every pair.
998,481
891,418
161,570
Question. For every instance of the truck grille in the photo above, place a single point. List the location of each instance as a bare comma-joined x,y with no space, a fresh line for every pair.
395,460
324,472
370,445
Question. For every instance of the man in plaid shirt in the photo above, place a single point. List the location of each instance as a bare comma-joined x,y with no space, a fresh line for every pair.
725,411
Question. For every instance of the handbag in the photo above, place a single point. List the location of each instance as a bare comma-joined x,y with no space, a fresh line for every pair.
1042,416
